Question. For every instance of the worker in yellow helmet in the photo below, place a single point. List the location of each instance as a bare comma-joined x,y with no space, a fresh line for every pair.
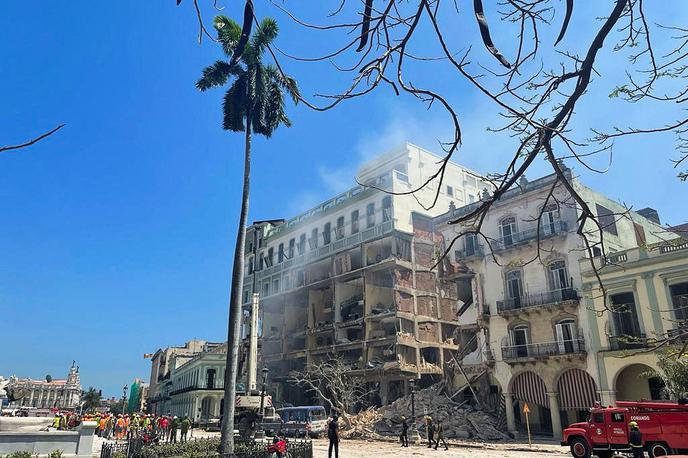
635,439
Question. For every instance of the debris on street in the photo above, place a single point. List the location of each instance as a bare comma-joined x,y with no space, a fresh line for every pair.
460,420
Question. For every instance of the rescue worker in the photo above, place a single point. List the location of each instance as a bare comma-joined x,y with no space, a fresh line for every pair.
439,436
635,439
56,421
403,437
430,429
174,424
333,436
185,425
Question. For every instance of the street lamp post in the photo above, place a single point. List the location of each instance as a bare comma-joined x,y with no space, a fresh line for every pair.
414,428
124,398
260,433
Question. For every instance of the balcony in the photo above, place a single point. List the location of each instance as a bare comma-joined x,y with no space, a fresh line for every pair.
548,298
529,235
543,350
628,342
469,253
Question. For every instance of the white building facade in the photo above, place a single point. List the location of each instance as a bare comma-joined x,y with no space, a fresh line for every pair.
44,394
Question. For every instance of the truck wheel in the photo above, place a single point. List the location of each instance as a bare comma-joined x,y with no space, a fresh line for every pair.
579,448
658,449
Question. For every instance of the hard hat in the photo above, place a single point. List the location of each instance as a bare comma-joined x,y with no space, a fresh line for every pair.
633,424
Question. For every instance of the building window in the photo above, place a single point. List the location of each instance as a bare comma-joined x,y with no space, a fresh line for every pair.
606,219
520,338
339,231
387,209
266,289
549,219
210,378
275,286
370,215
354,222
470,244
566,336
679,299
292,245
250,265
514,286
246,293
280,253
625,315
271,256
507,231
302,244
558,275
471,198
450,191
639,234
313,241
327,229
261,260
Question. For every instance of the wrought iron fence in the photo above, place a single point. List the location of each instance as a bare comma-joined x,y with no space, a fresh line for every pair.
245,449
130,449
628,342
546,349
519,238
531,300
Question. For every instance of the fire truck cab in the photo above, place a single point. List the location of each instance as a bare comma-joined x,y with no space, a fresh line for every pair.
664,426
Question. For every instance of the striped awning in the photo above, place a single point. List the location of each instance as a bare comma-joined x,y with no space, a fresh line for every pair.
577,390
529,387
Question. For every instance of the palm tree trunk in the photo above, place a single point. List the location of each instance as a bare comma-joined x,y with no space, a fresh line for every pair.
227,438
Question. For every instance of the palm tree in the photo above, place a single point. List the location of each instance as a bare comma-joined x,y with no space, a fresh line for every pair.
90,399
253,103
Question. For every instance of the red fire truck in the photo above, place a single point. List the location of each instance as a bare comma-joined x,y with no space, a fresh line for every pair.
664,426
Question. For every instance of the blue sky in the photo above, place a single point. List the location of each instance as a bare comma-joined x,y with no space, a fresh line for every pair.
117,232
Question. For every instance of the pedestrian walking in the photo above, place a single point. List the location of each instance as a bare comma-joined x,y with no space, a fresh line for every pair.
403,437
333,436
430,429
439,435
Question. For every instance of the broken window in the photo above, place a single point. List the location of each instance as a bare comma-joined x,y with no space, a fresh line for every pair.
354,222
370,215
339,232
302,244
387,209
327,234
313,241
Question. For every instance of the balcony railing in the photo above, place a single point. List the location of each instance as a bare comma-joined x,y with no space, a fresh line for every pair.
472,252
537,299
628,342
529,235
543,350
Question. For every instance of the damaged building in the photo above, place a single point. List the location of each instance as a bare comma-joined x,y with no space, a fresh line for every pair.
353,277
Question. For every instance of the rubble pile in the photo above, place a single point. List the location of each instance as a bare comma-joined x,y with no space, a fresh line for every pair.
459,420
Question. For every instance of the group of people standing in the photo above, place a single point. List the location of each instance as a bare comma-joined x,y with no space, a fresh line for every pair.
124,426
434,430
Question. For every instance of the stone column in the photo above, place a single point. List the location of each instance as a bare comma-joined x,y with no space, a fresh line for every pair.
31,397
509,408
554,413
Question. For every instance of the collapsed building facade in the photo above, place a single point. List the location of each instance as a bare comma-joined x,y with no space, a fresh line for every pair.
508,314
353,277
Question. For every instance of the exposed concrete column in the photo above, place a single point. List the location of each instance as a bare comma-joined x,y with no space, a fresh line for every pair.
509,408
554,413
608,397
384,391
